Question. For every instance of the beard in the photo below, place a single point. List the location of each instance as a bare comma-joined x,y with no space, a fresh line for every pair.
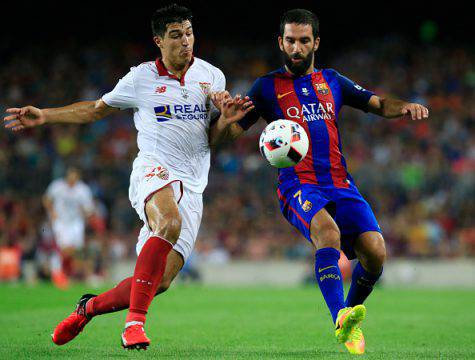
298,69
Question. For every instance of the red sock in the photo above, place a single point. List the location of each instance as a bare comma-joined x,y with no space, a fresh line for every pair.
116,299
67,264
148,274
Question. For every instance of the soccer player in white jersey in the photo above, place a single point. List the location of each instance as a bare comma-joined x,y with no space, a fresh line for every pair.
170,98
68,202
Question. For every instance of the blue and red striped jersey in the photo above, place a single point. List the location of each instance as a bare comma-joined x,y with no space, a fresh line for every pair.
314,101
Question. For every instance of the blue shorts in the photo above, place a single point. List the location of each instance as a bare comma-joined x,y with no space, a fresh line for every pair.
300,202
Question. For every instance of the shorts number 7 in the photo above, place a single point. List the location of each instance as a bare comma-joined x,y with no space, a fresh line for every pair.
299,195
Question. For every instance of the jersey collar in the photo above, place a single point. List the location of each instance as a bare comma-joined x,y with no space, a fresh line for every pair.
285,73
162,70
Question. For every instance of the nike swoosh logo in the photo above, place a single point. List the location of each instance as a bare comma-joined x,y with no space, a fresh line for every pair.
325,268
280,96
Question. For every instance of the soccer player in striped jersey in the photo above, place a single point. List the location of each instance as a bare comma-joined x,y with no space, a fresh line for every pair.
318,196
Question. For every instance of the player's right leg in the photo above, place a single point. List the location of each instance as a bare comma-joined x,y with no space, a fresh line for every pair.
69,239
115,299
118,298
325,236
307,208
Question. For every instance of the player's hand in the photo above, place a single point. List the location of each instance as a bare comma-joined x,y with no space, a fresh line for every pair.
218,98
25,117
415,111
234,109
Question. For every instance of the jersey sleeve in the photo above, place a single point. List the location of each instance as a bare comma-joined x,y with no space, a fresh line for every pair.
219,84
87,199
353,94
52,190
123,95
255,94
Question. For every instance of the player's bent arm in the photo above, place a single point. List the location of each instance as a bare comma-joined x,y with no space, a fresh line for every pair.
77,113
221,133
232,110
393,108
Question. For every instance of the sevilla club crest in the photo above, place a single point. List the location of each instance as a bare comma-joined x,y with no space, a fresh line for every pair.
205,86
159,172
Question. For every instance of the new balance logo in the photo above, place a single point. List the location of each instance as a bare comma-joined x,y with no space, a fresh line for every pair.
160,89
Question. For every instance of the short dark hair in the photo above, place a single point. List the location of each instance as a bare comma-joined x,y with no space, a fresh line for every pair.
300,16
168,15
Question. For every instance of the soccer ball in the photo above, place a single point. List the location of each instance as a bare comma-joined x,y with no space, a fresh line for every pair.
283,143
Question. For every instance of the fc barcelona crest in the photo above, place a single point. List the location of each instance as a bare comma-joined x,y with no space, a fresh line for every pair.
322,88
307,206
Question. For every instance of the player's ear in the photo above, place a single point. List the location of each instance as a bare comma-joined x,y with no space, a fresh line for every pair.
317,43
281,43
157,40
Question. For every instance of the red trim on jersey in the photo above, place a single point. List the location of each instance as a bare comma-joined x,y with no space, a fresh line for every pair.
337,170
162,70
286,203
287,97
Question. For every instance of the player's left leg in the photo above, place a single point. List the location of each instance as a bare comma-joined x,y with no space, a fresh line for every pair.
164,221
191,208
118,298
361,237
371,253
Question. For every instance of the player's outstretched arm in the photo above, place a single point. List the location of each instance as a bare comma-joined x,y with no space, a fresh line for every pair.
393,108
77,113
48,205
232,110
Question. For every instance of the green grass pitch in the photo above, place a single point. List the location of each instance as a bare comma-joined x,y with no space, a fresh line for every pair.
194,322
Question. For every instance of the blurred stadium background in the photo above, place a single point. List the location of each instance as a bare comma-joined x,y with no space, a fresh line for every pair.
419,177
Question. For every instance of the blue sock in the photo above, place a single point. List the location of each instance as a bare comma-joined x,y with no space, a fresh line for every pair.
329,279
362,283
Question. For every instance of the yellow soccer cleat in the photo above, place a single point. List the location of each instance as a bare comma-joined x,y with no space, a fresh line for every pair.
348,318
355,343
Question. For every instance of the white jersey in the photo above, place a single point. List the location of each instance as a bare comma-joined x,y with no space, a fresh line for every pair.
172,117
70,203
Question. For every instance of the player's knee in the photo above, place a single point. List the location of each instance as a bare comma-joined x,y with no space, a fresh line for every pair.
326,235
168,226
378,257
